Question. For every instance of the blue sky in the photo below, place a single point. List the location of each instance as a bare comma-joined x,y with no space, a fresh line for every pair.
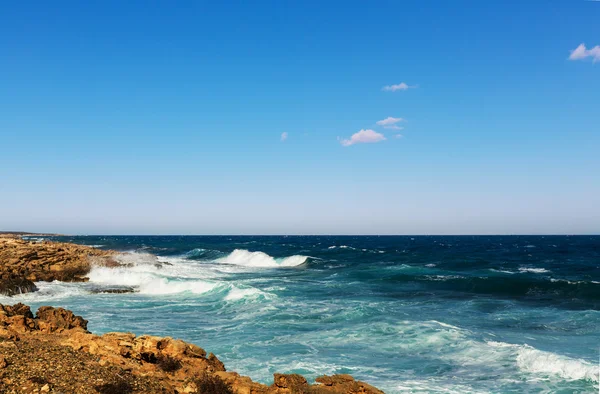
150,117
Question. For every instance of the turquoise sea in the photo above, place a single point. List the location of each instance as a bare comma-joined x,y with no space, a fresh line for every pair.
423,314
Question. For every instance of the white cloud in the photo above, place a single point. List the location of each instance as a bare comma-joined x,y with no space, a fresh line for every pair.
399,136
284,136
581,52
393,88
363,137
390,123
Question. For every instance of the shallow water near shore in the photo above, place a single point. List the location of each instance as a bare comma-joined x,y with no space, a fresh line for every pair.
406,314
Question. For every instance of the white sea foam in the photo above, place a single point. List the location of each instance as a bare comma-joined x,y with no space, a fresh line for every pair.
147,280
261,260
149,275
546,363
549,364
503,271
236,293
47,291
459,346
534,270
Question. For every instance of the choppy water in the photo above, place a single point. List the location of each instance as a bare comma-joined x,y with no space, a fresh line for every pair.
406,314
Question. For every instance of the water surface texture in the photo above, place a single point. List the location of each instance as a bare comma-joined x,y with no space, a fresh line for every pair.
465,314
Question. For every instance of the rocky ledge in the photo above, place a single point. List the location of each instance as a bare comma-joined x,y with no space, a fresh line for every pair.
52,352
24,262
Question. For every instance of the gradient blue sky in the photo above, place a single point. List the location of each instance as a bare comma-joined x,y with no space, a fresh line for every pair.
166,117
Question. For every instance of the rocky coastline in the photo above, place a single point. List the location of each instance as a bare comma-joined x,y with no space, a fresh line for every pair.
53,352
23,262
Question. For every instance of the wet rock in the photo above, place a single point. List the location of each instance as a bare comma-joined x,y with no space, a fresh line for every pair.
112,290
12,286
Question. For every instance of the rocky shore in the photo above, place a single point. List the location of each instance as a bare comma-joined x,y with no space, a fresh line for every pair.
52,351
24,262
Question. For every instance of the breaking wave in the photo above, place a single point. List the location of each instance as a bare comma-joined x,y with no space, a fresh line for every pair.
246,258
539,362
149,275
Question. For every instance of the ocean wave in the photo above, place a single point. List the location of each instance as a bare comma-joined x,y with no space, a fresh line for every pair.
246,258
533,287
203,254
534,361
546,363
460,346
534,270
145,281
150,275
48,291
249,293
502,271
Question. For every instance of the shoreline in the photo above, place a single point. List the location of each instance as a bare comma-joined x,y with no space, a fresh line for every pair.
34,347
125,362
24,262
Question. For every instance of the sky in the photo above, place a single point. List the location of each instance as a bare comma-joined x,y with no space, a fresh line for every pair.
300,117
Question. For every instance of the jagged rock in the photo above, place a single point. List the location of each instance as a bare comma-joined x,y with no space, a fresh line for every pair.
292,382
15,310
50,320
347,384
215,363
112,290
24,262
12,286
195,351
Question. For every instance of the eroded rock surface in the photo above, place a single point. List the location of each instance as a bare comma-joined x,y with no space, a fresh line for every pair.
24,262
123,362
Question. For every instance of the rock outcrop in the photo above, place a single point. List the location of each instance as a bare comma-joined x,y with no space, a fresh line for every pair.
124,362
24,262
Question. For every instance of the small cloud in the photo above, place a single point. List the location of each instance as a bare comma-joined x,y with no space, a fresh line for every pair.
581,52
399,136
394,127
363,137
390,123
284,136
393,88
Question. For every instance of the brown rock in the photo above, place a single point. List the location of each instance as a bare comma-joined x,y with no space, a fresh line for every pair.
347,384
59,319
24,262
215,363
195,351
293,382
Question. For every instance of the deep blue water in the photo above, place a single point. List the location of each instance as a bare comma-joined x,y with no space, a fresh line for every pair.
464,314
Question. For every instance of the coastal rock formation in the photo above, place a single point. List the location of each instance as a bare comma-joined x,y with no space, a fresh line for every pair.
24,262
10,285
53,352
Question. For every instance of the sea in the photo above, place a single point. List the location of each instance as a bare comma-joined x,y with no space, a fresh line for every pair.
407,314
